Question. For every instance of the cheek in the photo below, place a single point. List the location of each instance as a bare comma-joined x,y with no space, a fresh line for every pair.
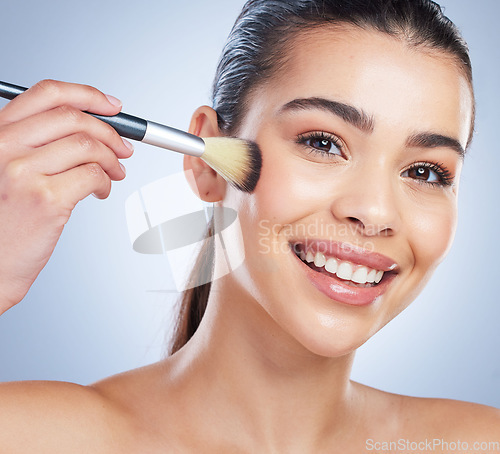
280,184
282,196
287,189
267,213
431,232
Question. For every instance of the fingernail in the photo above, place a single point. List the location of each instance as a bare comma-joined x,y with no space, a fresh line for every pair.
115,101
123,168
128,144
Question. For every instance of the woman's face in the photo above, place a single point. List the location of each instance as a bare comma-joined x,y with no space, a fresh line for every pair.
361,138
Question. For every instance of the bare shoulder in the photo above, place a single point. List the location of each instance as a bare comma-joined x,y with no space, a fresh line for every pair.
52,417
460,419
153,400
416,418
134,390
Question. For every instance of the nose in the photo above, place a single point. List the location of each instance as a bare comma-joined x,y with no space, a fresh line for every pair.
367,203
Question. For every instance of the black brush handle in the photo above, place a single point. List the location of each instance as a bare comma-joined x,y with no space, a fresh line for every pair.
126,125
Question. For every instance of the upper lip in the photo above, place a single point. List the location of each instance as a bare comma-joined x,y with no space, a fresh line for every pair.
348,252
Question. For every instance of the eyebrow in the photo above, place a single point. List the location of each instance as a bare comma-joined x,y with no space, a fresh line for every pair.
429,140
349,114
361,120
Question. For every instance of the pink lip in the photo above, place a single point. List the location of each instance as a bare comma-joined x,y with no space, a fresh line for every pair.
350,253
337,289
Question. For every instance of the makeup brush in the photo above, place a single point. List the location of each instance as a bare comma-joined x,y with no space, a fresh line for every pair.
238,161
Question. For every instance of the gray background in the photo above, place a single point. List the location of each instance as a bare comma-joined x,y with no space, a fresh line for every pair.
91,312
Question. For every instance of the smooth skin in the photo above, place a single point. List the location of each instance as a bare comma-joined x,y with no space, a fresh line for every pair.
268,369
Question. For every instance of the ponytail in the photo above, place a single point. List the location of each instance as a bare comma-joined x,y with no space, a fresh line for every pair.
193,301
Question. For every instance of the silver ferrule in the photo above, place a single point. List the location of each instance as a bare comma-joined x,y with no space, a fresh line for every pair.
173,139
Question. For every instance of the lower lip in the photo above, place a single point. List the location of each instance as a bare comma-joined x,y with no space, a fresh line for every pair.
337,290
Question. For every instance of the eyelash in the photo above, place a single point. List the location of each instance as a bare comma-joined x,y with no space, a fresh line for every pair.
444,175
302,139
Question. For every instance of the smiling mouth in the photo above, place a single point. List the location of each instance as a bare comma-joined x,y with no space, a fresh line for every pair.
344,271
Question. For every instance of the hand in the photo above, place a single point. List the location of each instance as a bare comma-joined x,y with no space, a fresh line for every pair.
52,155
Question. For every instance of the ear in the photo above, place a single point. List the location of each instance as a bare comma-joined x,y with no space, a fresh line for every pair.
210,186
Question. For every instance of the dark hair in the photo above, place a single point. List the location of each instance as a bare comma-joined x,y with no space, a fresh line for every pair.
258,46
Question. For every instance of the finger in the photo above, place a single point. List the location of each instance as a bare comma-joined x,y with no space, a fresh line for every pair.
49,126
73,151
48,94
75,184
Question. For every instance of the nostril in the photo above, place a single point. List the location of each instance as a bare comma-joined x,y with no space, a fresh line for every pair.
356,221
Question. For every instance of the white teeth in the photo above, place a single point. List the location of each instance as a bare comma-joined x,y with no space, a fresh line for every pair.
360,275
332,266
371,276
344,271
319,259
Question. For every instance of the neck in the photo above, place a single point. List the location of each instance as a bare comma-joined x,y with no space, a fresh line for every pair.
253,372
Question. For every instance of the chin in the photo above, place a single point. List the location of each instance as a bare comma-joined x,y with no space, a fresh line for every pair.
330,337
335,348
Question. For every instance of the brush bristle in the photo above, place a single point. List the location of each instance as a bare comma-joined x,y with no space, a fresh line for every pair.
237,161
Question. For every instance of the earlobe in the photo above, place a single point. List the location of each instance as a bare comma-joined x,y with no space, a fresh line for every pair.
210,186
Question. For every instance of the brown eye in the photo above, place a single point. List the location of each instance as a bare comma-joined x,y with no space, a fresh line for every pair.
324,145
420,173
321,144
429,172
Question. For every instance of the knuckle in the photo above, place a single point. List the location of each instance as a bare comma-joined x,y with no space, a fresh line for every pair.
32,189
84,141
91,92
70,114
15,170
48,86
43,195
94,170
